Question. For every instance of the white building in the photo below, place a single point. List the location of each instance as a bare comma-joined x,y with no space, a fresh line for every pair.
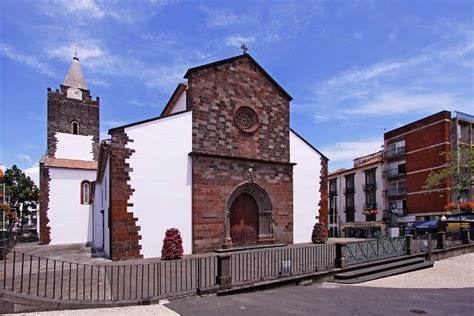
356,200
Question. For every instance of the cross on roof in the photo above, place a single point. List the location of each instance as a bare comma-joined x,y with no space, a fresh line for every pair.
244,48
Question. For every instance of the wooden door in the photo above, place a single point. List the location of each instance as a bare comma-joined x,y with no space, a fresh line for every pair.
244,220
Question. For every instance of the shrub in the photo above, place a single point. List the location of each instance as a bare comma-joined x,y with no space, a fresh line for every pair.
172,245
320,234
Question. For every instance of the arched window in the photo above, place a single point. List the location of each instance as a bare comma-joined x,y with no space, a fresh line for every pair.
75,127
85,192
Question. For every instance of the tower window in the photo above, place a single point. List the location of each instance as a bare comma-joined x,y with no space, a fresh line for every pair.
75,127
85,192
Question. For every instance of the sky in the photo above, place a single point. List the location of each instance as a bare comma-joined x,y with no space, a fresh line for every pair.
354,68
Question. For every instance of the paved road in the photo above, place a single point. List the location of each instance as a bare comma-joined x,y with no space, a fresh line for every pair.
445,289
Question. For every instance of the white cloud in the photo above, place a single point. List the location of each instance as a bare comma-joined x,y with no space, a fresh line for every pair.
237,40
28,60
85,51
33,173
89,8
221,18
342,154
24,157
357,36
392,37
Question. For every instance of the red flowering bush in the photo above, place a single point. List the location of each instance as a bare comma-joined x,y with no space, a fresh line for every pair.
320,234
370,212
172,245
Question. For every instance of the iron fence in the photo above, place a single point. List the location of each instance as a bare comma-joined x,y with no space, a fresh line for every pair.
42,277
254,266
453,239
375,249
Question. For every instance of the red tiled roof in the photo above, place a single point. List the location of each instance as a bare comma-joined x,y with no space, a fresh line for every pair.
70,163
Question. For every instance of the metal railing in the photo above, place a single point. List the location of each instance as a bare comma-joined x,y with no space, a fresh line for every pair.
396,191
370,186
453,239
375,249
255,266
392,173
43,277
394,152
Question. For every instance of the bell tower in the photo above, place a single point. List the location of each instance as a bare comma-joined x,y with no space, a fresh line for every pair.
72,111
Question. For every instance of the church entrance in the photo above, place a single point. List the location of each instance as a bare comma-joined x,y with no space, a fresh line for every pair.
244,220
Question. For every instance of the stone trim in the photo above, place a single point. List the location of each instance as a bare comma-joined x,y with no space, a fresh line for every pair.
229,157
323,190
44,229
125,236
265,211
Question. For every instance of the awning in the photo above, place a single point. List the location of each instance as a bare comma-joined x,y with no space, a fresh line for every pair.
464,218
425,224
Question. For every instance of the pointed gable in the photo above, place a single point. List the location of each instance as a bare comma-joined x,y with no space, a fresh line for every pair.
235,58
74,77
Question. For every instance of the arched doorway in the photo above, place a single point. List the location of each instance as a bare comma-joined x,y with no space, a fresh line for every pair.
250,204
244,220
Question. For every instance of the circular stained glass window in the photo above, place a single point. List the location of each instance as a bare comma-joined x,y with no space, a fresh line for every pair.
246,119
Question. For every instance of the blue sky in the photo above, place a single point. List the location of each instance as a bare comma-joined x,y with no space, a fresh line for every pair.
354,68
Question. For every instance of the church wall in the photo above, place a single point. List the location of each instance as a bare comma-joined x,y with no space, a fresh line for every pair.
160,177
69,221
70,146
214,179
215,93
101,236
306,188
180,104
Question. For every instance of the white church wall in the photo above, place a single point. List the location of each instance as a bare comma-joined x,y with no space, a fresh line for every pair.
70,146
306,195
69,220
161,178
180,104
101,235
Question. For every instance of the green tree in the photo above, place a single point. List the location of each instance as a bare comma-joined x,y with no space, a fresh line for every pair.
459,171
21,190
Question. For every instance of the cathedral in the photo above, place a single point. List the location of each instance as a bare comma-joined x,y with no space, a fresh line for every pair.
220,163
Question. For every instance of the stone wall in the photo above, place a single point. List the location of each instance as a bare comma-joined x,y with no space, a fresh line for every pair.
124,231
323,191
44,229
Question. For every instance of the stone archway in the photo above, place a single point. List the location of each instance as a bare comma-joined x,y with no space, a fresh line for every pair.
265,212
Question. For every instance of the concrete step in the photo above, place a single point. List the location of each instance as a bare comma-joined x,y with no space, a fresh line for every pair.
381,261
377,268
412,267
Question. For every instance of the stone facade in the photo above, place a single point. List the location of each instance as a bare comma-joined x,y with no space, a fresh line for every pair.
124,231
214,179
62,111
223,152
323,191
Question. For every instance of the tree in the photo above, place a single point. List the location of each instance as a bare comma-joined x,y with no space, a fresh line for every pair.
21,190
458,171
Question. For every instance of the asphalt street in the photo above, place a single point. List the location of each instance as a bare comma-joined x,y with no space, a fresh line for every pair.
332,299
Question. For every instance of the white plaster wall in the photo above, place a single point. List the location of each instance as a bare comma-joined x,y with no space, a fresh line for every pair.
70,221
101,236
161,178
180,104
70,146
306,195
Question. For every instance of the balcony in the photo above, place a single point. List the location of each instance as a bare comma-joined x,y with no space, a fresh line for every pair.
370,186
394,173
396,192
349,190
395,152
466,139
370,206
333,192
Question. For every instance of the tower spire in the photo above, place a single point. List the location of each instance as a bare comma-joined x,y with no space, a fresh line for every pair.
74,77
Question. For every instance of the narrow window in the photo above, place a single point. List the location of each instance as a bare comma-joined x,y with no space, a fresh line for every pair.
75,127
85,192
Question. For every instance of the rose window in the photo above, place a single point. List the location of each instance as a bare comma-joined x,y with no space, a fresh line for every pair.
246,119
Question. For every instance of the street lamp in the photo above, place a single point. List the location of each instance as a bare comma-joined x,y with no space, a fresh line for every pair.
443,221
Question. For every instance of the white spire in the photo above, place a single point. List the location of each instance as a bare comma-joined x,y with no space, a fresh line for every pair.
74,77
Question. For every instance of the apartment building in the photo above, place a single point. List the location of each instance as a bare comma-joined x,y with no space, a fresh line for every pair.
356,199
411,153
